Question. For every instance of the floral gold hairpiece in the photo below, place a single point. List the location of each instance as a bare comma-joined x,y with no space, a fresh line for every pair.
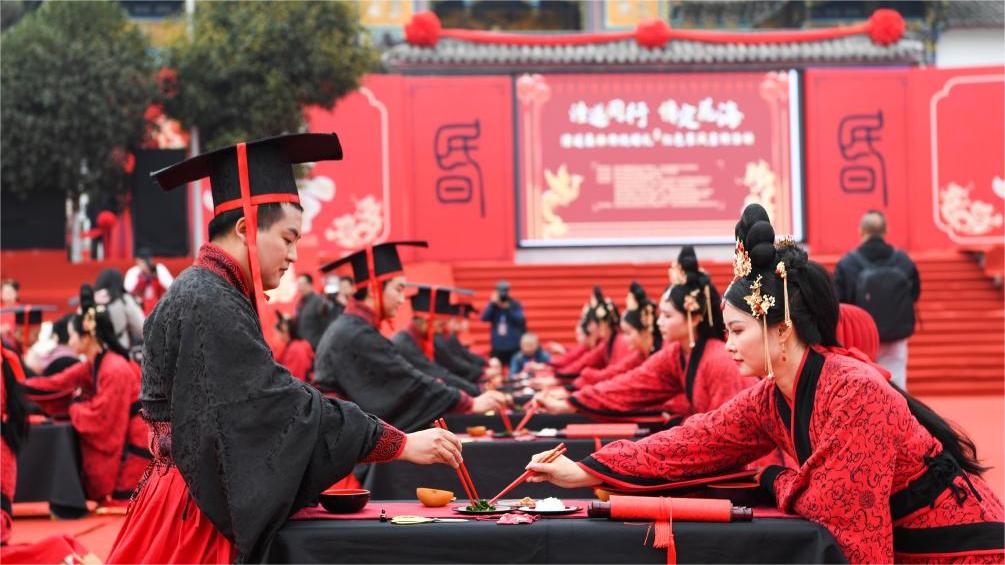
741,262
760,303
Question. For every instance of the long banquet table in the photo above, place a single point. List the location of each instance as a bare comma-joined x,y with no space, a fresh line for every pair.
312,537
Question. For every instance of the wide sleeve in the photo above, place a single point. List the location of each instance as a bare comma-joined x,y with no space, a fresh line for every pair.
705,444
594,376
845,484
67,380
647,387
134,319
367,368
253,443
570,356
101,420
594,358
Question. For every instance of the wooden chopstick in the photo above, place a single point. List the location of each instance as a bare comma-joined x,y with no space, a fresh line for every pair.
549,458
462,470
437,423
504,414
526,417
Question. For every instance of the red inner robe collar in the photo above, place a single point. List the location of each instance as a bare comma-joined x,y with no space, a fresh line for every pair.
360,308
214,258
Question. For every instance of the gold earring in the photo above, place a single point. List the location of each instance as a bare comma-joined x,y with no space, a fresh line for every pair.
785,354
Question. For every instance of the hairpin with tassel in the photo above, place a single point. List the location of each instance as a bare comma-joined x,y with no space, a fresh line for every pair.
691,305
759,304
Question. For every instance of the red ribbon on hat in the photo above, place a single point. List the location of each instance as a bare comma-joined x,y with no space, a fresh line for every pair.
251,228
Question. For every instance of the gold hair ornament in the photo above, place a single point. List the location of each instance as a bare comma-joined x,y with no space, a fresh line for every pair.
741,262
760,303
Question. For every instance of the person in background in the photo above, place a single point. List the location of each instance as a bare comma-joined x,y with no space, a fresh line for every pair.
508,323
51,353
9,296
127,316
147,280
294,352
883,281
105,410
530,352
313,312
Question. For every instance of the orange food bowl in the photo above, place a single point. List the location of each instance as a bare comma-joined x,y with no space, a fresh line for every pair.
477,431
434,498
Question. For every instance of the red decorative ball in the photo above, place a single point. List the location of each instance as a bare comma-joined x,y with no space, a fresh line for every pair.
652,33
423,30
106,220
886,26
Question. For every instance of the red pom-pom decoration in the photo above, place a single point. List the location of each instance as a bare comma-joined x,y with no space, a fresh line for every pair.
423,30
652,33
886,26
106,221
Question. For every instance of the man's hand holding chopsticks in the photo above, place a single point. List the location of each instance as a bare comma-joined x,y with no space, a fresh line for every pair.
563,472
426,447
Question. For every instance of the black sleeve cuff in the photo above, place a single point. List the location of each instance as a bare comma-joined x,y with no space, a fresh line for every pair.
766,479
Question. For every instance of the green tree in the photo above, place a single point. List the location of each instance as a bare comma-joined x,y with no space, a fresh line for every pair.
76,79
251,67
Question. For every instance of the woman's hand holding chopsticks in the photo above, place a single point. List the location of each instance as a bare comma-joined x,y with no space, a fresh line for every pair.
563,472
435,445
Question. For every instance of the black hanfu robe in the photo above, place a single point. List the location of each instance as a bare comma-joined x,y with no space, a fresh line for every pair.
356,362
447,356
455,346
406,344
253,443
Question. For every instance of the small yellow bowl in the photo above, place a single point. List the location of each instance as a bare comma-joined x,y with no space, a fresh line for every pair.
477,431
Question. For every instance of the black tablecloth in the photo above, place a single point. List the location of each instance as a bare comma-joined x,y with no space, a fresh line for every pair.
492,465
551,541
48,469
460,422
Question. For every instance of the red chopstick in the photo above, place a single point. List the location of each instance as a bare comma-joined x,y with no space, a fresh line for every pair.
462,470
549,458
526,417
504,414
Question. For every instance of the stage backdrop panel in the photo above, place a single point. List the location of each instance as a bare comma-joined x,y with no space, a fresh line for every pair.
925,146
635,159
160,217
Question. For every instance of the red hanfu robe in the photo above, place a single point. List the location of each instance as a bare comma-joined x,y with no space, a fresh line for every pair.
8,468
106,417
600,356
667,382
570,356
868,470
593,376
298,357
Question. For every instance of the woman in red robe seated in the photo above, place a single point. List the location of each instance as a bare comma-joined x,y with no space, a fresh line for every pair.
14,417
690,374
610,348
884,473
294,352
105,408
639,333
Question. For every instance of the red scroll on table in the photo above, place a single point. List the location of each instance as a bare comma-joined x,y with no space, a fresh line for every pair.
574,431
663,511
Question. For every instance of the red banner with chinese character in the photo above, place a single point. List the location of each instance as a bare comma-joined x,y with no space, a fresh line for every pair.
647,159
925,146
461,165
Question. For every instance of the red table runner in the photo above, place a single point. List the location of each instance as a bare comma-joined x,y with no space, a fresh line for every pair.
392,509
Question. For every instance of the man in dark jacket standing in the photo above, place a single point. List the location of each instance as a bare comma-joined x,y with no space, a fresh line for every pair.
508,323
884,281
